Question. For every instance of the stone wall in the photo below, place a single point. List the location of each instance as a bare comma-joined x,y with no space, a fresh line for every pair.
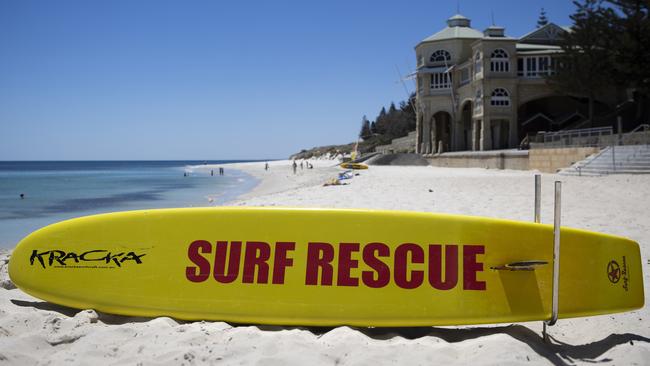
497,159
552,160
544,160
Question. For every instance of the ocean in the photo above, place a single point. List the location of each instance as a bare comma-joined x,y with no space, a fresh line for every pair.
59,190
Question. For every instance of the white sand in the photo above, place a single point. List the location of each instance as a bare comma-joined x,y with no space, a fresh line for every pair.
32,331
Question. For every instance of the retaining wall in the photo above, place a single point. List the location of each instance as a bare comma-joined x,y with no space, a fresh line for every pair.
552,160
510,159
544,160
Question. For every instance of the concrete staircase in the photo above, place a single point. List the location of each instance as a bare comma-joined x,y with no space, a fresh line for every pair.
627,159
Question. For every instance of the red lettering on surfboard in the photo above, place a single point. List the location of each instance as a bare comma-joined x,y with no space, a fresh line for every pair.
319,259
220,255
202,265
380,268
227,258
471,266
435,267
409,264
401,265
257,253
281,261
346,263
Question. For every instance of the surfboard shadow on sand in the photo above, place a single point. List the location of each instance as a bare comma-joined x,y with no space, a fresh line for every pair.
109,319
557,352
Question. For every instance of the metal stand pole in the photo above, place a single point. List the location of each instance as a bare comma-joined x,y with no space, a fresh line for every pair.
538,197
538,218
556,258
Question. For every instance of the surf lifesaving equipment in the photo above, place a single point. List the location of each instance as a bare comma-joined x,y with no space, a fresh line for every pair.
325,267
356,166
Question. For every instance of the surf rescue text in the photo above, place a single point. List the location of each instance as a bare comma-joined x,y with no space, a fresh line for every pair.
407,265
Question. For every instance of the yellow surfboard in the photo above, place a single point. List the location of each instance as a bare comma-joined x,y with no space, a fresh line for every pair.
325,267
356,166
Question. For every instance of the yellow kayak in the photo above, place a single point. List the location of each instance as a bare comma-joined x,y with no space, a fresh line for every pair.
325,267
356,166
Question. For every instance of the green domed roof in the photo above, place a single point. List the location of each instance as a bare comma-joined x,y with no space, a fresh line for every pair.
458,26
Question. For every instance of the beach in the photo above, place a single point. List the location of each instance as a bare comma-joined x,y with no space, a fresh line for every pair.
37,332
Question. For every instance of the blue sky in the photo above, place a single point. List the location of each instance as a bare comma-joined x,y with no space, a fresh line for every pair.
135,79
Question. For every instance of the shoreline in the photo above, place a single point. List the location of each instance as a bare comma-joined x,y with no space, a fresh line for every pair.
280,177
36,331
35,211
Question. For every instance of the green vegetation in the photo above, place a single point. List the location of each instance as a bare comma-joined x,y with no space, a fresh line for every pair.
608,47
543,20
388,125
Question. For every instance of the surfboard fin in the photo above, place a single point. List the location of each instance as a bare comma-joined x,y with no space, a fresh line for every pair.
520,266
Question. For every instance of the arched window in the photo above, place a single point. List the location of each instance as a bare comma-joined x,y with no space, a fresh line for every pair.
440,56
499,61
478,64
500,98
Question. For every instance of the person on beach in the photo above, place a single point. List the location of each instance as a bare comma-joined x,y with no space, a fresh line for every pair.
295,166
301,164
266,166
212,173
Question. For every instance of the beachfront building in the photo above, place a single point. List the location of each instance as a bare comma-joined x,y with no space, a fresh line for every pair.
485,91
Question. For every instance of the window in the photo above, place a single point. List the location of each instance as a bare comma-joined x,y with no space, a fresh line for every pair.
543,64
499,61
478,64
535,66
441,80
440,56
500,98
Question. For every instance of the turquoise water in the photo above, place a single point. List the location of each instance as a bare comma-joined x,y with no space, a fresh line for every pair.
60,190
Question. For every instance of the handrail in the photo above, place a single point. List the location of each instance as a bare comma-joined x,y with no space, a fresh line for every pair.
645,127
601,152
564,137
597,137
581,131
525,143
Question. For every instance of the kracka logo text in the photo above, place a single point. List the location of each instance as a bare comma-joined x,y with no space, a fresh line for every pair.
62,258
